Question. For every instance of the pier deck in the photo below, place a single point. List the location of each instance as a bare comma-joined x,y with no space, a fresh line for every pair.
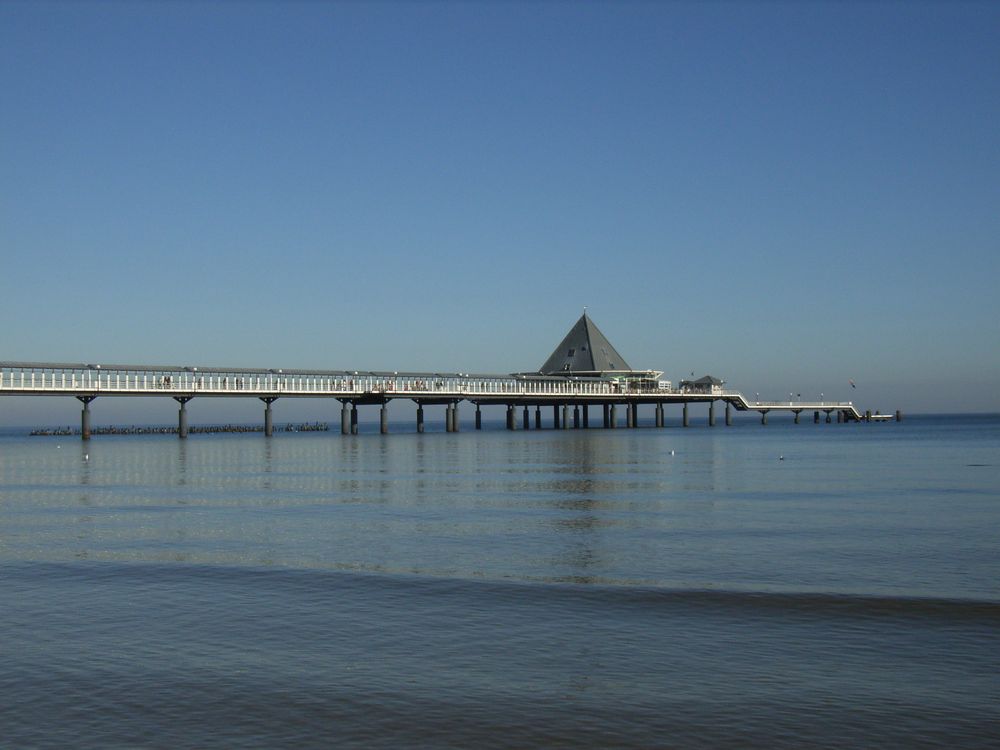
87,382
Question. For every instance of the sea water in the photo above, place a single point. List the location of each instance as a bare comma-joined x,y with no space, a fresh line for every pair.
776,586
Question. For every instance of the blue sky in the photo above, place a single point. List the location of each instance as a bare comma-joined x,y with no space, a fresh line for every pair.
785,195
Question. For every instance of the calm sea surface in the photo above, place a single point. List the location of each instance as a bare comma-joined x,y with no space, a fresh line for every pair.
675,588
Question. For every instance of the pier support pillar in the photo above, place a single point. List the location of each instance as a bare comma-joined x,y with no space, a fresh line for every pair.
268,419
763,417
614,418
828,419
510,417
630,415
815,417
454,417
538,417
85,416
659,414
354,418
526,418
840,417
576,417
383,418
607,416
420,419
711,414
796,412
479,418
555,416
729,414
345,418
85,421
685,419
182,416
586,416
565,417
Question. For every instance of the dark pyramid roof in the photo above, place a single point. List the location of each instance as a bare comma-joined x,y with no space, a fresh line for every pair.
585,349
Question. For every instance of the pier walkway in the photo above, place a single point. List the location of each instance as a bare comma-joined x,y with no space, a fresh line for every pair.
88,382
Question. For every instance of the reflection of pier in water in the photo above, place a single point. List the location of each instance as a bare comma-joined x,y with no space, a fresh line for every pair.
583,373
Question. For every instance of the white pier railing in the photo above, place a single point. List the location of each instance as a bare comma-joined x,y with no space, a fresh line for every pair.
18,378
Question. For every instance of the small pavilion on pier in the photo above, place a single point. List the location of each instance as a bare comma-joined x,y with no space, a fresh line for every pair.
706,384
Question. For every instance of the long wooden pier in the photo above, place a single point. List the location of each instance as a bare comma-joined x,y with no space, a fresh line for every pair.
570,397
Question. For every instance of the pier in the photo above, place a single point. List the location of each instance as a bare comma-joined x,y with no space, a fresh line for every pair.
584,384
563,402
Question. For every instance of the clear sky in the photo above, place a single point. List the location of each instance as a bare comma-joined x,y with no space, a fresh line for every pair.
784,195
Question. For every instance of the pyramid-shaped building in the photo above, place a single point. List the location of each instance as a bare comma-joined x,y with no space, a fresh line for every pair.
585,351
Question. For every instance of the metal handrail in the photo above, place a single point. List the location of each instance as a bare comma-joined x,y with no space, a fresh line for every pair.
55,379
